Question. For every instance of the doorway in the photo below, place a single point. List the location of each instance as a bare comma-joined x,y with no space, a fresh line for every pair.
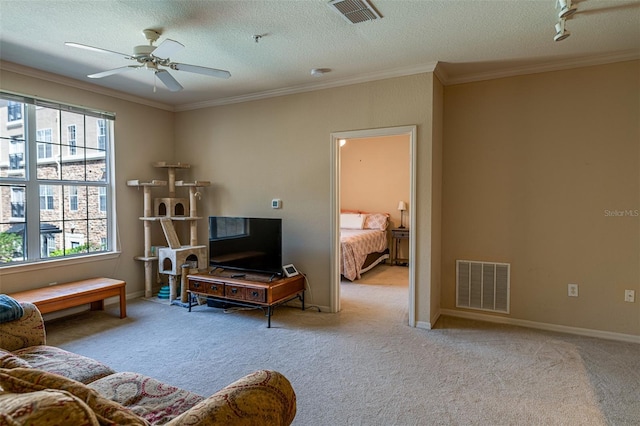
410,133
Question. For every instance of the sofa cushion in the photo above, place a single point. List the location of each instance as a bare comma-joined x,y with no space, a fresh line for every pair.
43,408
264,397
64,363
9,360
147,397
27,331
24,380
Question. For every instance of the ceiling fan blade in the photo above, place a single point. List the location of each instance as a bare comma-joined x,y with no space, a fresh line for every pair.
167,48
168,80
95,49
113,71
200,70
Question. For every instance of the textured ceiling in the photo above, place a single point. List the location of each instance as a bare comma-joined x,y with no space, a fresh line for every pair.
470,39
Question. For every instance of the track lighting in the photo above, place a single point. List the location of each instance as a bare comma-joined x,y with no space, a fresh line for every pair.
561,32
566,9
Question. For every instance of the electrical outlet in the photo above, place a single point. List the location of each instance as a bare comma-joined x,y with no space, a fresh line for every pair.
572,290
629,296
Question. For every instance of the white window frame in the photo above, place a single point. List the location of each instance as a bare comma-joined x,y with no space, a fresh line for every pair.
37,242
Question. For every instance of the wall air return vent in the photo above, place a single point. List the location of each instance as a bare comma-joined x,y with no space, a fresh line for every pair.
482,285
355,11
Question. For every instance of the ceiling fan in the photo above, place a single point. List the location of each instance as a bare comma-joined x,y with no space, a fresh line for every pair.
154,58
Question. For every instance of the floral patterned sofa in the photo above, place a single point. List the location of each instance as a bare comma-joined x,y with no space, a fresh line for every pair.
44,385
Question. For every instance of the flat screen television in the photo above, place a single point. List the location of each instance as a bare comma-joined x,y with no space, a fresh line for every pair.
246,244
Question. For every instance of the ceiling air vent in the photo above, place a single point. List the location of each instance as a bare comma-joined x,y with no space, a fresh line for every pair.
355,11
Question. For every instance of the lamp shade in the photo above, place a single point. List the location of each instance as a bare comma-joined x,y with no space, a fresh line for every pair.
402,206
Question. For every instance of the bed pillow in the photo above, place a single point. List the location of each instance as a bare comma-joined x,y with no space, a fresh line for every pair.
376,221
351,221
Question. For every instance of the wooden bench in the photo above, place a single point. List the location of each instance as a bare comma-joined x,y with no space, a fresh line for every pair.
63,296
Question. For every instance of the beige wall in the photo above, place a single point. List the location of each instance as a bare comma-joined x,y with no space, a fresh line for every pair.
374,175
531,165
518,185
143,135
436,197
281,148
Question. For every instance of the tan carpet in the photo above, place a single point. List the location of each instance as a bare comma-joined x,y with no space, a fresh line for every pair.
365,366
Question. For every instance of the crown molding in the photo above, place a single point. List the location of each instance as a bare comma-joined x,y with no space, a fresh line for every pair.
55,78
559,65
438,68
361,78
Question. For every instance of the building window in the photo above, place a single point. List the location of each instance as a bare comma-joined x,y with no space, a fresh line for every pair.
55,181
102,134
16,153
73,198
103,199
17,202
46,197
71,136
44,137
14,111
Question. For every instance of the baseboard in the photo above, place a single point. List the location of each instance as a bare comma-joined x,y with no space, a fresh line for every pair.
543,326
424,325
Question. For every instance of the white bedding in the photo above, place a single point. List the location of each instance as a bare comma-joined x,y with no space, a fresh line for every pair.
355,245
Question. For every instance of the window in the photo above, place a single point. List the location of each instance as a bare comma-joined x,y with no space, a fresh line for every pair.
14,111
71,136
73,198
102,134
103,199
17,202
45,149
55,180
46,197
16,153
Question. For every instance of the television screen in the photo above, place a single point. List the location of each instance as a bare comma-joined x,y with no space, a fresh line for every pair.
246,244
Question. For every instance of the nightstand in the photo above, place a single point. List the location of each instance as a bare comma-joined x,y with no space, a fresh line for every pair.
397,235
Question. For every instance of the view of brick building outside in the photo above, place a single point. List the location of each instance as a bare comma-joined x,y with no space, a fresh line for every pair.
71,159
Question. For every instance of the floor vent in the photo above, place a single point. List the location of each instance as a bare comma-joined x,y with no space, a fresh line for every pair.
482,285
355,11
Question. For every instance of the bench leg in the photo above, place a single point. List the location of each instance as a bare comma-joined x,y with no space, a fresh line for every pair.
98,305
123,303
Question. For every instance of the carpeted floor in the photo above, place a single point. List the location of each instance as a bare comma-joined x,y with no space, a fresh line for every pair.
365,366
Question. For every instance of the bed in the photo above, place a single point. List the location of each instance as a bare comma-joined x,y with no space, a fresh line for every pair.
364,242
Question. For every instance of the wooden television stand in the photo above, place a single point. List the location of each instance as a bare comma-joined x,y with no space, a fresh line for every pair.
247,289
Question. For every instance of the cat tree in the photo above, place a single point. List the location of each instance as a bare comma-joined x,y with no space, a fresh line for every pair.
176,258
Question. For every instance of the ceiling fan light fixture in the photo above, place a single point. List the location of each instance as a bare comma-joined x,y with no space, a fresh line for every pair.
143,50
152,58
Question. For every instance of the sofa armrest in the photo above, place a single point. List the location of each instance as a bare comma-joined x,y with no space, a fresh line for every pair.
264,397
25,331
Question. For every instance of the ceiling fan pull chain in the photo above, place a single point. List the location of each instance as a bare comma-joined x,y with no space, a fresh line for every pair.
155,80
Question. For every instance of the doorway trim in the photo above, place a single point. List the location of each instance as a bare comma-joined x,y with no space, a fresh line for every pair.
411,132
